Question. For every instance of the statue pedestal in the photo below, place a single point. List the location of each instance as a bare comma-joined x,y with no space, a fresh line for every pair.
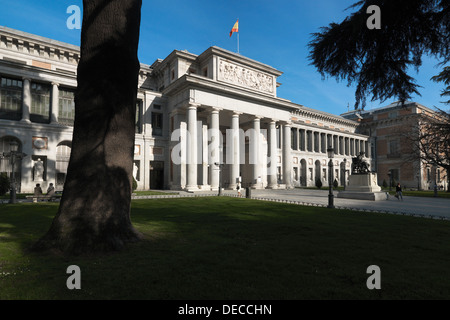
363,186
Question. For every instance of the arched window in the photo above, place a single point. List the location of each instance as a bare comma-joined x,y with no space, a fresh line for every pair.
5,162
62,162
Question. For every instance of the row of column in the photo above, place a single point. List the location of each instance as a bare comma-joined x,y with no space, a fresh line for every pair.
26,101
233,151
313,141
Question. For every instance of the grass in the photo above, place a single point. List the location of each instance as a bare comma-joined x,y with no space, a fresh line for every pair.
230,248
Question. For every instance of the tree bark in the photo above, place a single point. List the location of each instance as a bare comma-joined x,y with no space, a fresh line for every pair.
94,213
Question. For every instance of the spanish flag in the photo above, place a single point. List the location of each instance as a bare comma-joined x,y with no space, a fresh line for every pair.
235,28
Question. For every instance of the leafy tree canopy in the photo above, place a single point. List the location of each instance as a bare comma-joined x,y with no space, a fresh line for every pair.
378,60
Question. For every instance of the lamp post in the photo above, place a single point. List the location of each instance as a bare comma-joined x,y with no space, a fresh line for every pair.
330,152
220,165
390,180
13,155
345,172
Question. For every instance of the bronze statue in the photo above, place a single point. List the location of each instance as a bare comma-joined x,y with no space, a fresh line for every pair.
359,164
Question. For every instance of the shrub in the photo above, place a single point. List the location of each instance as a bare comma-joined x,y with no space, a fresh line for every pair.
335,183
318,183
4,183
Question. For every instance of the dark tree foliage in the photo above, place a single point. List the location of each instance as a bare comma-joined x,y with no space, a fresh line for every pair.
378,60
94,214
444,77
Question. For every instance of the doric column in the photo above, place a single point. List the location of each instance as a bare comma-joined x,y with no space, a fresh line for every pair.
26,102
233,151
255,154
192,179
287,156
204,155
55,103
273,153
214,152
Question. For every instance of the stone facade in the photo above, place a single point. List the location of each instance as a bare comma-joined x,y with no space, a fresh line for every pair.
201,120
390,129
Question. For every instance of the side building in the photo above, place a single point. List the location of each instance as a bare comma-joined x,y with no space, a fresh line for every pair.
201,120
392,130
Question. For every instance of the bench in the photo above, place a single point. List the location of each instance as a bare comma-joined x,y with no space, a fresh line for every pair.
44,197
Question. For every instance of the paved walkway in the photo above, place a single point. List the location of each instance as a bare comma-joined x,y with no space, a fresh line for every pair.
438,208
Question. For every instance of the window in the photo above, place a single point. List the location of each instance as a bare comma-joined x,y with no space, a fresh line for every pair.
40,103
138,118
302,140
309,141
62,162
394,151
393,114
157,123
10,99
395,175
294,139
66,113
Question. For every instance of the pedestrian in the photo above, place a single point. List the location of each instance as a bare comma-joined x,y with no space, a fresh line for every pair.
38,190
50,190
238,188
398,190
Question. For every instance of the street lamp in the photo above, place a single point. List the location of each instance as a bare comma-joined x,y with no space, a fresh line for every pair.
13,155
330,152
345,172
390,180
220,165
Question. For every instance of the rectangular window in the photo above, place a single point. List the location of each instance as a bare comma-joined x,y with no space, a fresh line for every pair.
157,123
10,99
40,103
294,139
395,175
394,151
309,141
66,113
302,140
138,118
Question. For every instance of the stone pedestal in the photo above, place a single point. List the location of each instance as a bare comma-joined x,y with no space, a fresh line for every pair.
363,186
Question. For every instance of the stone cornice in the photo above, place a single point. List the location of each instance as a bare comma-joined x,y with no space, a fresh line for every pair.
216,51
323,116
36,46
36,73
196,81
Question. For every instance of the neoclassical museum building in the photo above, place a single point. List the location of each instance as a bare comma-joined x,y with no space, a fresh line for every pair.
201,120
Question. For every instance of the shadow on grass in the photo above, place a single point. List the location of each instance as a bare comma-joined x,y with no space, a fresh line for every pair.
228,248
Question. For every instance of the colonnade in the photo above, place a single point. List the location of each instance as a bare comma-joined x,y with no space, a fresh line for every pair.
313,141
231,157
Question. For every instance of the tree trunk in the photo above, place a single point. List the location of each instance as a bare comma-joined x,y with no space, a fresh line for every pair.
94,214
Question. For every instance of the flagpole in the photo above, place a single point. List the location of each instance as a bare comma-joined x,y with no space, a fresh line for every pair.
238,41
238,37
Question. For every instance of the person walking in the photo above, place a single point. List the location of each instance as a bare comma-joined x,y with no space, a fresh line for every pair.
398,190
238,188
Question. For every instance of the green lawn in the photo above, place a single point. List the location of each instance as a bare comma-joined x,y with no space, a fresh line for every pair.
230,248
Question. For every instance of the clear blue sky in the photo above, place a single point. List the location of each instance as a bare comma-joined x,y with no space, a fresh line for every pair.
274,32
